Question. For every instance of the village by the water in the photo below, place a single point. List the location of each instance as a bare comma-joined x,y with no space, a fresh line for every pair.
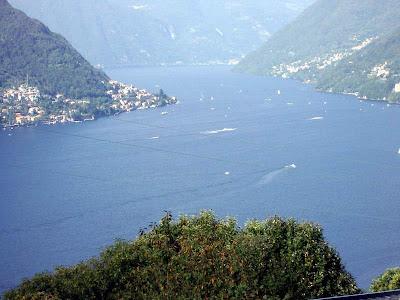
25,105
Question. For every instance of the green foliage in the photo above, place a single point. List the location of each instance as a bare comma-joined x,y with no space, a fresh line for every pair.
27,47
326,26
201,257
389,280
353,74
336,26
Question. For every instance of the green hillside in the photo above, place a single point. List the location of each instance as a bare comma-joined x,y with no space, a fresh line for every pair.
43,79
372,72
28,48
335,44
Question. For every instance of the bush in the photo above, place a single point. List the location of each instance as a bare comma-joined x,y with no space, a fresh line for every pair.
389,280
201,257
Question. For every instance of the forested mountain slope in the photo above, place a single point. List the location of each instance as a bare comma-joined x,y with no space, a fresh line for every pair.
338,44
43,79
29,49
373,72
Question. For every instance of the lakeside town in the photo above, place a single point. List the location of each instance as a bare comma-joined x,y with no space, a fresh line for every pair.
319,63
25,105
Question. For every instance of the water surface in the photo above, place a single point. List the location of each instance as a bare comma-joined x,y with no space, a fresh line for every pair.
232,145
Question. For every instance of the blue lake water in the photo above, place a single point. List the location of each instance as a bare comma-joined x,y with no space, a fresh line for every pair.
67,191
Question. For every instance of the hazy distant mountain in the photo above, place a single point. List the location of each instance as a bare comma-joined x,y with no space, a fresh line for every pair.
28,48
141,32
347,46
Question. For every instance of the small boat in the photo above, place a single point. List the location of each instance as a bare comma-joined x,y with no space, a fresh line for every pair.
398,152
278,92
316,118
292,166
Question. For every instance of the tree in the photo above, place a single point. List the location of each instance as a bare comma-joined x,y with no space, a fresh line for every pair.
389,280
202,257
161,95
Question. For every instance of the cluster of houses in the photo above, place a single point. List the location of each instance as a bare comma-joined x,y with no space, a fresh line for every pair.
20,105
127,97
24,105
381,71
319,63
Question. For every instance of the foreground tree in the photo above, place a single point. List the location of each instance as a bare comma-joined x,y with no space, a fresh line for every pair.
389,280
201,257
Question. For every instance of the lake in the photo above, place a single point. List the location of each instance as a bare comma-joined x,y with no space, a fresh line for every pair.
243,146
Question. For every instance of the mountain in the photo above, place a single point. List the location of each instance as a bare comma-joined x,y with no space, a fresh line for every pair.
373,72
28,48
341,45
138,32
43,79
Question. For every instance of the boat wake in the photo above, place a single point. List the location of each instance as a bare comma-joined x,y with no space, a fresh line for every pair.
268,178
219,131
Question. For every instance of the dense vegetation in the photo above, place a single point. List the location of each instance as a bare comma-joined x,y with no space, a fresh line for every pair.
27,47
336,26
389,280
353,74
202,257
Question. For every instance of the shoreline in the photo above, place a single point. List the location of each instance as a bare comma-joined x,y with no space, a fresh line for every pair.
171,65
322,91
119,97
94,118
